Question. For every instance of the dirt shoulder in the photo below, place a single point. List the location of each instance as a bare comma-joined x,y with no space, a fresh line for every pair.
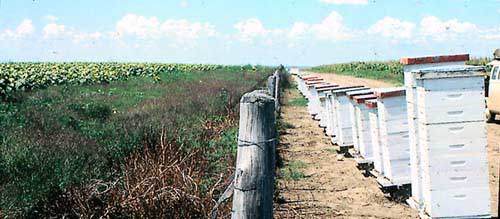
327,185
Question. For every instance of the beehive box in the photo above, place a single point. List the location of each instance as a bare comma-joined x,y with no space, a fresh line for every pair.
452,137
393,132
353,115
331,128
321,111
374,135
312,96
309,84
363,127
342,122
301,83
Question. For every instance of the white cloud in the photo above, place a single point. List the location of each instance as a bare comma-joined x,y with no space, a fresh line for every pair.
24,29
250,28
51,18
184,3
54,30
392,28
140,26
183,29
78,37
437,29
298,29
332,28
345,2
152,28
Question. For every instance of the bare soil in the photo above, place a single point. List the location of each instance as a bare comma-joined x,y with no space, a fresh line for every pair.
332,186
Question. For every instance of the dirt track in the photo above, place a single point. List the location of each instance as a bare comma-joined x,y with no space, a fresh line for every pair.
333,187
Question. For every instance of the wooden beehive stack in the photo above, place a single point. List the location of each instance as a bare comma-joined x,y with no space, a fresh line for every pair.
332,99
452,139
363,128
342,122
393,132
321,108
308,86
353,117
374,135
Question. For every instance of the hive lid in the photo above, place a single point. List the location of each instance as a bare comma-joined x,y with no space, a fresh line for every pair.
363,98
449,72
341,91
371,103
390,92
313,79
328,85
351,94
315,82
434,59
327,88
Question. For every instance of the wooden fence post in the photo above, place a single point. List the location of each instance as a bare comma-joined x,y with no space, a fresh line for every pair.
277,94
254,176
271,85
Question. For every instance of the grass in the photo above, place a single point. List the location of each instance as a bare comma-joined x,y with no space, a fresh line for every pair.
293,170
332,150
118,149
301,101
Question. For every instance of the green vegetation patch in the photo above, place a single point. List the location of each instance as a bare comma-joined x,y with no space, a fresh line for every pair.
298,102
293,170
59,143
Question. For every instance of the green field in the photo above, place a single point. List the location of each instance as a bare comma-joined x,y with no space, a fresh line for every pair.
149,142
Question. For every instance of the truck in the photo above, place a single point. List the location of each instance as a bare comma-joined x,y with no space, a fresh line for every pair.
492,86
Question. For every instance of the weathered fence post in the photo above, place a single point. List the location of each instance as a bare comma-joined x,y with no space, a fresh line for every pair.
277,94
271,85
254,176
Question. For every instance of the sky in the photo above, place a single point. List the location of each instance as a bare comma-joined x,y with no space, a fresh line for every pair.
267,32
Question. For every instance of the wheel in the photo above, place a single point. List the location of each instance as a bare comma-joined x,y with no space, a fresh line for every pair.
490,116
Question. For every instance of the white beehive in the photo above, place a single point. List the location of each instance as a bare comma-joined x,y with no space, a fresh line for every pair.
329,130
342,122
452,140
321,111
393,132
312,96
353,115
363,127
331,127
374,135
301,82
308,84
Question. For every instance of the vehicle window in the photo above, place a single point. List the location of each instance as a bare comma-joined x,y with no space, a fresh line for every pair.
494,75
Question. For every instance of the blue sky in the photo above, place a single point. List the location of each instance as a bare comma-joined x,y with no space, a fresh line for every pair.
270,32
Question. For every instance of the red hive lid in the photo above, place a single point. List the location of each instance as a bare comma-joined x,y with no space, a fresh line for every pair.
434,59
362,98
351,96
371,104
314,82
326,86
394,93
313,79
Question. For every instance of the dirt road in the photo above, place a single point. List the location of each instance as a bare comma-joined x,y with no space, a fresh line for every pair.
316,182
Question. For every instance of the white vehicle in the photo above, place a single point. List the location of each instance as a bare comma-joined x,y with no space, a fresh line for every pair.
493,89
